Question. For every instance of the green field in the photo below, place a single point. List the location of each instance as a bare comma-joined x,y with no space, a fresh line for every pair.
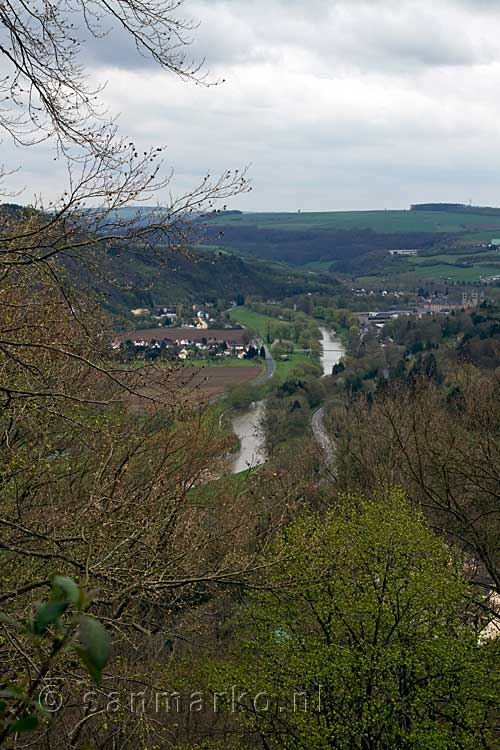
257,322
448,266
378,221
284,368
457,273
260,324
319,266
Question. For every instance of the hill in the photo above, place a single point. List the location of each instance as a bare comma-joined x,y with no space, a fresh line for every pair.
356,243
384,222
134,280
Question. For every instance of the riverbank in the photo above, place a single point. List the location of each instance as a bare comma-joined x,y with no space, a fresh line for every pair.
248,424
332,353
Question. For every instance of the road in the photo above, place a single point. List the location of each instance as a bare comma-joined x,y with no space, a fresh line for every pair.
270,363
322,437
270,367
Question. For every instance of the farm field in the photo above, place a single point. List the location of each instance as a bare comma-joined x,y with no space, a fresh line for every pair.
213,381
456,273
378,221
194,334
174,384
319,266
221,362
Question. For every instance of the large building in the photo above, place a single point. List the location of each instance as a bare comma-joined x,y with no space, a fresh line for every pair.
467,301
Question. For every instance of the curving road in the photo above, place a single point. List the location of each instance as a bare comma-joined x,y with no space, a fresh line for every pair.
332,353
322,437
270,367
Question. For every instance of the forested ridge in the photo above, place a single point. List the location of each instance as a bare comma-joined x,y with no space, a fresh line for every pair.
349,249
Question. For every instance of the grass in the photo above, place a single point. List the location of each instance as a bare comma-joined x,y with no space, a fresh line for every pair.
260,323
209,493
284,368
440,271
456,273
256,321
378,221
485,258
319,265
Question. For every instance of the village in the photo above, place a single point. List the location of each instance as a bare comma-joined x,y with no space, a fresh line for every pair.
181,344
186,336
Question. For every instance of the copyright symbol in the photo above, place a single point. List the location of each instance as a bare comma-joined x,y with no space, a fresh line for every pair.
50,699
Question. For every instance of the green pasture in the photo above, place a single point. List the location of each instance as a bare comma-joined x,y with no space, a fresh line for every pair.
378,221
256,321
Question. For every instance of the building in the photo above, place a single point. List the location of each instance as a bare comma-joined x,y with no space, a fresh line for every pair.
386,315
467,301
470,300
404,253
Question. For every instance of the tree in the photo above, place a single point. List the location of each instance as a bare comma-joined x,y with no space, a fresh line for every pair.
97,461
443,451
361,639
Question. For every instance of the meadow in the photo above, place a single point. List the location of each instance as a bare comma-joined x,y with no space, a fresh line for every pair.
256,322
378,221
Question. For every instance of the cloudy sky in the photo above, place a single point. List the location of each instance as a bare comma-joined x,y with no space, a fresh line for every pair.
336,104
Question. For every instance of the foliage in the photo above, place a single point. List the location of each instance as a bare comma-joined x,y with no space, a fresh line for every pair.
360,639
59,626
97,465
442,444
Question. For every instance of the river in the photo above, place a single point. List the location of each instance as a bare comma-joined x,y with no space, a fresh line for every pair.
332,352
247,426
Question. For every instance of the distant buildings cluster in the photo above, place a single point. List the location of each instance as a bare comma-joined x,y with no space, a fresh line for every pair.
183,343
442,305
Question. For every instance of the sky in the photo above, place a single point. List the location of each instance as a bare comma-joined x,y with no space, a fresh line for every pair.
335,104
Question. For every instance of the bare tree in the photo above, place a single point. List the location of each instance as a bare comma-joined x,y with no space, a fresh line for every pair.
444,449
99,465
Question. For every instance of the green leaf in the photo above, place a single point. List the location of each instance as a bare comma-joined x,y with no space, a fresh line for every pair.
48,614
25,724
65,589
94,647
3,706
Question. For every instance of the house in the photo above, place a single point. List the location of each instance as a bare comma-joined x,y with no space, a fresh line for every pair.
403,252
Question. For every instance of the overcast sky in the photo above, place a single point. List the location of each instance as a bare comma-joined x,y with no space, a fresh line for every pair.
337,104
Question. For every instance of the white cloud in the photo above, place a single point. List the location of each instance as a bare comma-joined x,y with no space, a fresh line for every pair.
347,104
